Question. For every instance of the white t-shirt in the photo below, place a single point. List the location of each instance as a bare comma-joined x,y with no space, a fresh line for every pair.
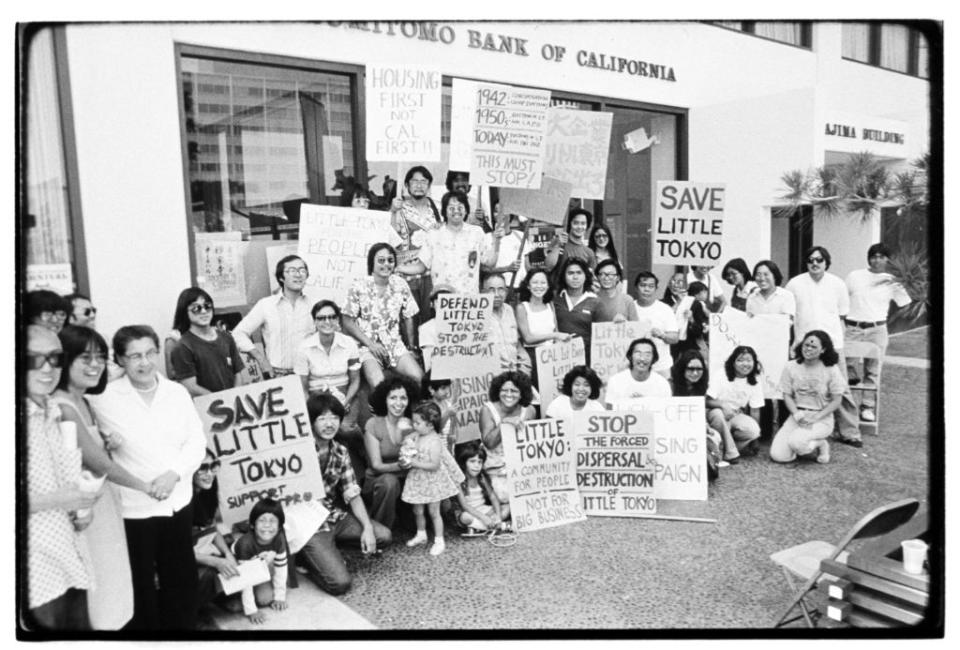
509,250
738,392
560,407
622,387
662,317
871,293
820,305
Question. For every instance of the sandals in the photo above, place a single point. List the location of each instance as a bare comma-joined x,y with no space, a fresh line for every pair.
473,532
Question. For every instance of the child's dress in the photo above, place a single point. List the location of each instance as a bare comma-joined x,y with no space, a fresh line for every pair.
426,486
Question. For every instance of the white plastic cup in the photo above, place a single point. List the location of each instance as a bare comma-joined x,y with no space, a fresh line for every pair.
68,434
914,555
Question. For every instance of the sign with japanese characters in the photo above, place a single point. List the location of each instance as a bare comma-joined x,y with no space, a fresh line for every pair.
578,145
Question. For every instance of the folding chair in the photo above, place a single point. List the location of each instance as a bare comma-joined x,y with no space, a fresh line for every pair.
803,561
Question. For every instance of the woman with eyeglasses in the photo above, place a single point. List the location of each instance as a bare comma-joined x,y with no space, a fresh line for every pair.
737,275
690,377
205,359
210,548
110,602
613,304
601,243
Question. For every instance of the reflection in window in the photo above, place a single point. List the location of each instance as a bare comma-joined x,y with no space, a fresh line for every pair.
894,47
261,140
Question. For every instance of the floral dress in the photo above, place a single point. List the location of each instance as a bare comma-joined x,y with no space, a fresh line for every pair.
426,486
379,316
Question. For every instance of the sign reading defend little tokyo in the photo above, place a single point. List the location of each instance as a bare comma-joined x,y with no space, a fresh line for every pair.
261,435
689,223
541,474
615,467
464,345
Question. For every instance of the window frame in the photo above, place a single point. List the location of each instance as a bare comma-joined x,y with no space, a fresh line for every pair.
875,47
748,27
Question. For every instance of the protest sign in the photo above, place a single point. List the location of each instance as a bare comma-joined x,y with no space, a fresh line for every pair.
334,243
220,266
689,223
680,454
578,145
615,466
403,112
609,343
473,392
555,361
509,136
464,344
463,108
549,203
52,277
541,474
261,435
767,334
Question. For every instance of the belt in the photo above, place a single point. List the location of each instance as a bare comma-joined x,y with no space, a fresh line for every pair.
864,324
282,372
415,276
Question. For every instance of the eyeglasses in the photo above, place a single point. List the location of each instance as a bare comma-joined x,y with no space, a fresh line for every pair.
209,467
815,260
59,314
90,311
35,360
384,260
456,209
88,359
694,369
601,235
418,181
200,307
297,271
608,275
326,319
150,355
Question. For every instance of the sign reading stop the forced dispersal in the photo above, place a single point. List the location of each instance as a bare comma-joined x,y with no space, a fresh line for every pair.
689,223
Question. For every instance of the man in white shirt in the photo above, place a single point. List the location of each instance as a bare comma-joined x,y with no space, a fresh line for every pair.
663,321
163,443
503,327
283,317
822,303
638,380
871,291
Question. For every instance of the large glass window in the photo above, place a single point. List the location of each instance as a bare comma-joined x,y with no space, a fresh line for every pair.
784,31
262,139
895,47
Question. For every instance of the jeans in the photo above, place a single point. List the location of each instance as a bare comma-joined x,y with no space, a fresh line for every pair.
847,416
380,494
735,432
793,440
871,367
322,559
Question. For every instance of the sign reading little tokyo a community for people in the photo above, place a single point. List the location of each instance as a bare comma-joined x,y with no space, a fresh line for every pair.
334,242
689,223
464,345
509,136
679,451
615,467
403,113
261,435
541,474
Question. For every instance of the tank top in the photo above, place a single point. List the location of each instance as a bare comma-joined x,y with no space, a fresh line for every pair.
541,323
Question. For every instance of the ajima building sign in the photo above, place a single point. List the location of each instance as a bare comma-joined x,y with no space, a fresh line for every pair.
854,133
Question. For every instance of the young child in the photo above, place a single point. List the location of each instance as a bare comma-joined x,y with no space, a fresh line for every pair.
433,475
441,393
699,320
479,508
734,403
266,541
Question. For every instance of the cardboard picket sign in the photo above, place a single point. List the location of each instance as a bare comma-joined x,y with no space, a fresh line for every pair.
473,392
680,455
578,147
509,136
609,343
261,435
334,242
550,203
464,344
615,465
688,223
541,474
403,112
767,334
553,362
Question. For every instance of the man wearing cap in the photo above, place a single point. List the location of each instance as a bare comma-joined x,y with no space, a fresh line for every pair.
871,291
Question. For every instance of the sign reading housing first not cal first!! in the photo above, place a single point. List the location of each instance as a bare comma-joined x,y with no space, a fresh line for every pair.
689,223
403,113
261,435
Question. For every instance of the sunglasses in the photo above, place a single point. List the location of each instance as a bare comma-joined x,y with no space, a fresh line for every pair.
209,467
815,260
36,360
89,311
326,319
200,308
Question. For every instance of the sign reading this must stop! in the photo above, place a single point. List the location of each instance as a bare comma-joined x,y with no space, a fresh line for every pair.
689,223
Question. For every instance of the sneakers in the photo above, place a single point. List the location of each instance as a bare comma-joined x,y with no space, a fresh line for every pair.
418,539
867,415
439,546
852,442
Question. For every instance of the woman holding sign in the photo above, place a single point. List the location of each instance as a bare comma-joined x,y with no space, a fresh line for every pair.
536,318
376,306
580,392
509,406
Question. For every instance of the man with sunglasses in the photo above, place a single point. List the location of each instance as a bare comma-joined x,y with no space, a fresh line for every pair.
58,575
822,303
283,318
82,311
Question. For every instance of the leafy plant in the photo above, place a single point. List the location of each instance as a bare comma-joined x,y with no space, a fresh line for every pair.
910,268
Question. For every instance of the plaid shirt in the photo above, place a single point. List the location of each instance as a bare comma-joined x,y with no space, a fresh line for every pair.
337,471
